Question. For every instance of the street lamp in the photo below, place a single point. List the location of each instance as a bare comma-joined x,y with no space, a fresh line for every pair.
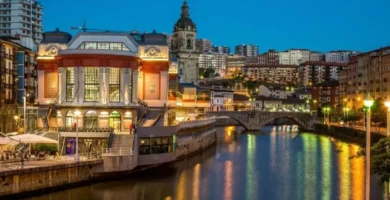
16,117
77,114
387,104
368,102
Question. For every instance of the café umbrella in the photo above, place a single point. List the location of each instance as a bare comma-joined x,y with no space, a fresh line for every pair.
32,139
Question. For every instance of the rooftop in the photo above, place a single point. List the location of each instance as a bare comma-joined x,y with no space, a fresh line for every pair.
270,66
320,63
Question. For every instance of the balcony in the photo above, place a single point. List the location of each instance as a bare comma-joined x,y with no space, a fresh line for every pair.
86,130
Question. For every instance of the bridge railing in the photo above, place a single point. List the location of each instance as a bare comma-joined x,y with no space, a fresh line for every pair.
195,123
117,152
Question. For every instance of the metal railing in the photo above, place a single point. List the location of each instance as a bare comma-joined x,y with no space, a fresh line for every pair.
117,152
200,122
80,129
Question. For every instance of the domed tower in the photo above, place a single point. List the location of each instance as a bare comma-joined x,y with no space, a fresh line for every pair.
184,44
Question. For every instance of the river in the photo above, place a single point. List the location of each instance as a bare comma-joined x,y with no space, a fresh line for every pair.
276,163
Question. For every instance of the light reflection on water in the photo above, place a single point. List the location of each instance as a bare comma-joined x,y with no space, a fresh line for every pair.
276,163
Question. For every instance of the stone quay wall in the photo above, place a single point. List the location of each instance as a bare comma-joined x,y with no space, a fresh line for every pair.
34,179
196,145
226,122
347,133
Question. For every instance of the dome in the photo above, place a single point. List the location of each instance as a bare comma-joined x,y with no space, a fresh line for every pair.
185,23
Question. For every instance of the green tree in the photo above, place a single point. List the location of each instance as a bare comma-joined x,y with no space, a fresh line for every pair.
239,78
380,160
251,85
207,72
378,112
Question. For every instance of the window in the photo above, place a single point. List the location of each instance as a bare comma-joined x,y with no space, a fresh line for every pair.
69,119
115,121
116,46
91,82
131,85
114,85
156,145
69,84
103,45
91,119
90,45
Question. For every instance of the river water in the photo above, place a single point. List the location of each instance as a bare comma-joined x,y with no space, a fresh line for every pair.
276,163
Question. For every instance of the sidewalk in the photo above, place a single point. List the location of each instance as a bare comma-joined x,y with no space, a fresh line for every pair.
37,163
378,130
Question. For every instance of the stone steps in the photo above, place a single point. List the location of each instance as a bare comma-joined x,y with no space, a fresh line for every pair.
122,141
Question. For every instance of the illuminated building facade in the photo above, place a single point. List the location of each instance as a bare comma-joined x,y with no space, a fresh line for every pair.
313,73
281,74
102,75
18,80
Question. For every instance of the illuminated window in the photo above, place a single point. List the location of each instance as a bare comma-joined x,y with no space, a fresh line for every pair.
103,45
69,84
117,46
91,119
91,84
131,85
69,119
115,121
114,85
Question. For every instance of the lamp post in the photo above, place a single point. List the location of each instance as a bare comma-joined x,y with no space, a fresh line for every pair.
368,103
16,117
387,104
77,114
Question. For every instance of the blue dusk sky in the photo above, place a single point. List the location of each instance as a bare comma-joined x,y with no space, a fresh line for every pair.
360,25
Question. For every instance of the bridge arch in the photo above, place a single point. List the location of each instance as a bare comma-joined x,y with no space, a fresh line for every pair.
300,124
254,120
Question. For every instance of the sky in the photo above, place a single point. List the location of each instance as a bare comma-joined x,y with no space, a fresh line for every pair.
360,25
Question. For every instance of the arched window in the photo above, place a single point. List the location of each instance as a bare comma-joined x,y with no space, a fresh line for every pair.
91,119
115,121
69,119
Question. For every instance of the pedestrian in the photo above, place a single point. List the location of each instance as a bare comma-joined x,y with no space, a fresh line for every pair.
74,125
131,128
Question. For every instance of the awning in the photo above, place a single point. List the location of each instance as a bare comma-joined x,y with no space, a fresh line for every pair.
6,141
32,139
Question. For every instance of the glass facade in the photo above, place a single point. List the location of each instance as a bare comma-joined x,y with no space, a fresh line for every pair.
115,121
116,46
91,119
69,84
114,85
157,145
69,119
91,84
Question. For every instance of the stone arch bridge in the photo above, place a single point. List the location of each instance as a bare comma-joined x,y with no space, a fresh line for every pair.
254,120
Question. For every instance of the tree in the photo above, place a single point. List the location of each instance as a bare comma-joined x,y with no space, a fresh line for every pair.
379,112
238,78
207,72
251,85
380,160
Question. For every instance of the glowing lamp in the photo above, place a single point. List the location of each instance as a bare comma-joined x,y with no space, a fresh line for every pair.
387,103
77,113
369,101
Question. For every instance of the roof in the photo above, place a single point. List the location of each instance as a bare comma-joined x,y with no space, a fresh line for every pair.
239,97
324,63
328,84
185,22
302,91
264,98
270,66
153,38
187,85
56,36
293,101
